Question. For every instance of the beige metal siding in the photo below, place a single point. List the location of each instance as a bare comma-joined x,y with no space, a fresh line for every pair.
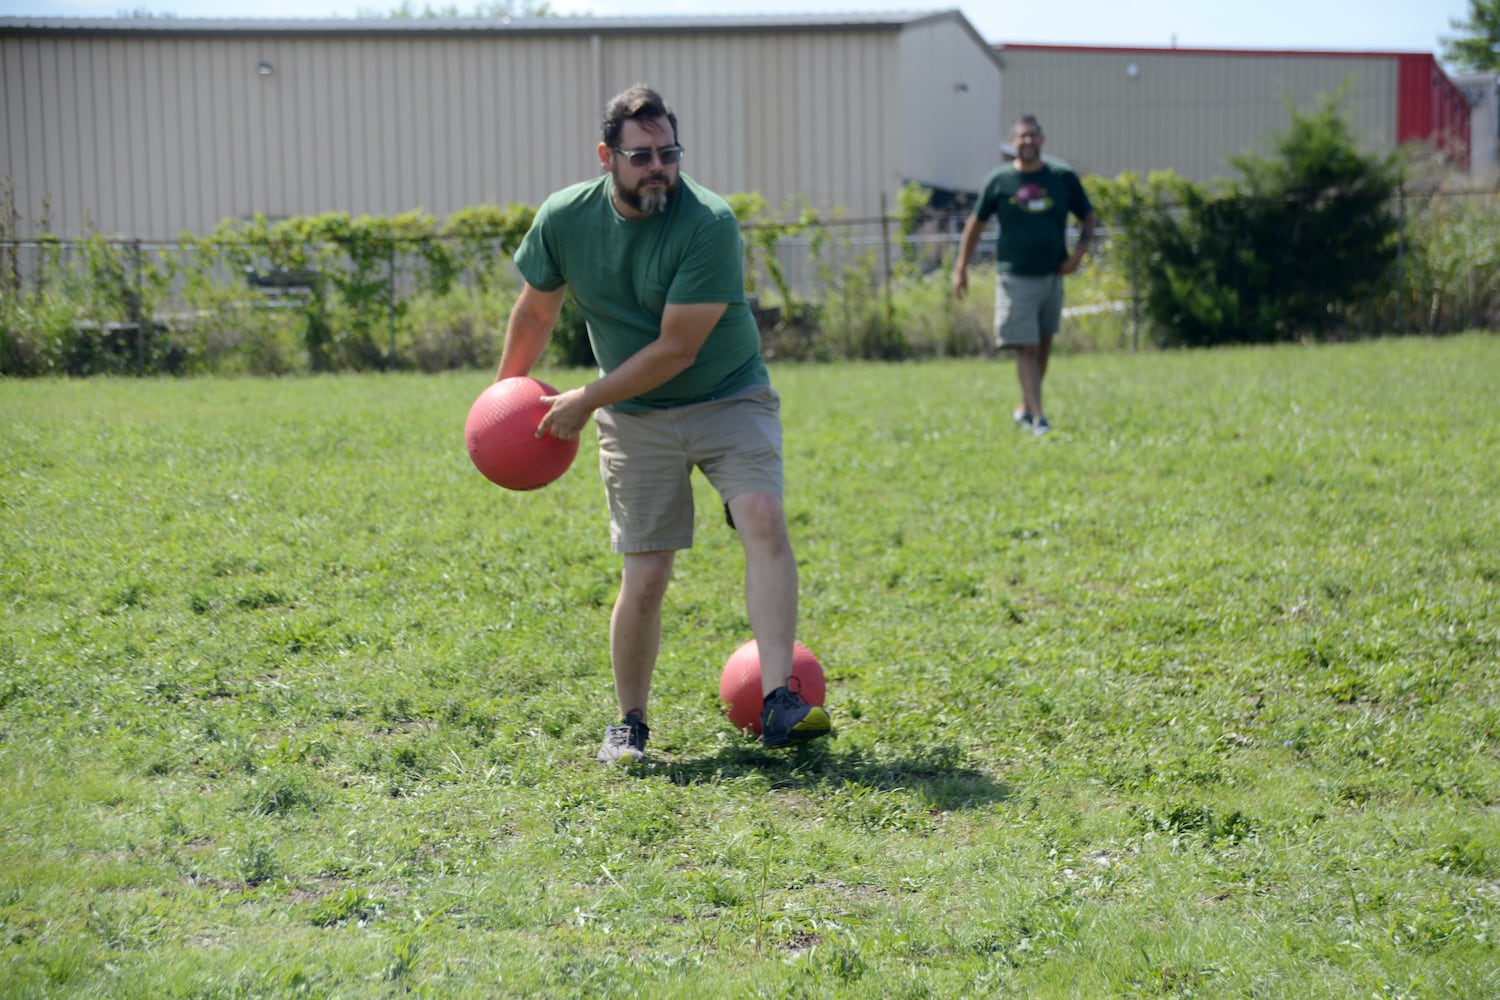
153,136
789,116
1184,110
152,133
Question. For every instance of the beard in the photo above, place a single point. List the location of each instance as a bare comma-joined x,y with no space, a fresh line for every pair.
653,200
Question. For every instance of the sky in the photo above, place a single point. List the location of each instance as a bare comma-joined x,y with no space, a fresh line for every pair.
1404,25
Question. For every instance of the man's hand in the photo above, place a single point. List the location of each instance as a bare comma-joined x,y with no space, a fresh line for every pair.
966,245
1085,239
568,416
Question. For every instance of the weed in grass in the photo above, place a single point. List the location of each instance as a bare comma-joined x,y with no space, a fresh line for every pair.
1468,857
405,950
256,862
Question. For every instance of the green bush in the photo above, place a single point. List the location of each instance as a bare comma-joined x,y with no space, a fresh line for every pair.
248,339
1452,265
91,311
348,268
462,329
933,323
1303,238
36,334
762,231
854,318
483,239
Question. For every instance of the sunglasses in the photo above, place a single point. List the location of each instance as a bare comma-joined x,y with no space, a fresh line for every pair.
642,157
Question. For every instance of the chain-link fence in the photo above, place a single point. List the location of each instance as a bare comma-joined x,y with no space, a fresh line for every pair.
822,289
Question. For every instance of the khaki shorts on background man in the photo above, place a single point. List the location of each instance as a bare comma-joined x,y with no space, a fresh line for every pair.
736,441
1027,308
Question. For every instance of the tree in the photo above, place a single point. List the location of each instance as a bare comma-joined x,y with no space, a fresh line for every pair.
1281,253
1478,48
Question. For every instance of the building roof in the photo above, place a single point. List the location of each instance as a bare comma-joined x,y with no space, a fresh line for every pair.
1174,50
893,21
441,25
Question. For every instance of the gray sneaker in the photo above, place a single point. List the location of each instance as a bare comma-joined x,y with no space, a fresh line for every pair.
1022,419
1040,426
786,718
625,744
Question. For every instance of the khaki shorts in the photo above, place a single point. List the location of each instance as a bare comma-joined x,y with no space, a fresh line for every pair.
1028,308
647,461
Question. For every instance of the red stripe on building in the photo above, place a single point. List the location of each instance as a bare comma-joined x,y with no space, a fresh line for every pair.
1430,107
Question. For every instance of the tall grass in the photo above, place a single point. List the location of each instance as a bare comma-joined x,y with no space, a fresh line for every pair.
1194,697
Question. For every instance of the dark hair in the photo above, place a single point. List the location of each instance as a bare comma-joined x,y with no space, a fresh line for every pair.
1028,120
635,103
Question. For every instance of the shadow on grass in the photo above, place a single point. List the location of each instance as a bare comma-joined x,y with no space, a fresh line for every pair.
934,772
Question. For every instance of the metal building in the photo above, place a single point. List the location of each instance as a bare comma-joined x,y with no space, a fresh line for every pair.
1109,110
153,127
1483,93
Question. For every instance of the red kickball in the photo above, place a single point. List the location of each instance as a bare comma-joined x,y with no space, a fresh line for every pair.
739,684
501,435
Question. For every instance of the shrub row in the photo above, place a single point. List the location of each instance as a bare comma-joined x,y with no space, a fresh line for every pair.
1318,241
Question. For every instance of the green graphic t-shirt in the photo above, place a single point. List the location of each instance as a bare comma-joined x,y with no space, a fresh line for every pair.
1033,210
623,273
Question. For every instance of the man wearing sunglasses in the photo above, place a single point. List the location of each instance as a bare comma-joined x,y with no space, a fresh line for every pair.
655,264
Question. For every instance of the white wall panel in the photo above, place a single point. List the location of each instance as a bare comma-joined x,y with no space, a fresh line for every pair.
946,80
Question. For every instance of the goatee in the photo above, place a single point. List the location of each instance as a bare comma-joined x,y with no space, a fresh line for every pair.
654,201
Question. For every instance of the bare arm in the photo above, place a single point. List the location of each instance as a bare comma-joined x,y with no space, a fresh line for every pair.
966,245
684,328
531,321
1085,237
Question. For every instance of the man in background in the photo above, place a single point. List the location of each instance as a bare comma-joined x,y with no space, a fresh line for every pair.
1032,200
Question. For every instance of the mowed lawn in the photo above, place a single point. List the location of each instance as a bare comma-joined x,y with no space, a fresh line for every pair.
1194,697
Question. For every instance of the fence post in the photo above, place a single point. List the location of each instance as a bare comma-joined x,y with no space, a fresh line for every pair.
885,243
1133,251
390,302
136,309
1400,258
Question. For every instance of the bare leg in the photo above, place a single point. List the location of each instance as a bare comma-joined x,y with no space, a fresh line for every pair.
1029,365
1044,353
635,626
770,583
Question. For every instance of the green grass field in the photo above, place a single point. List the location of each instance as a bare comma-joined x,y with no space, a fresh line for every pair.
1195,697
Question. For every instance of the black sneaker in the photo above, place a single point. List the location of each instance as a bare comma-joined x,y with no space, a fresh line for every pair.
625,744
1022,419
788,719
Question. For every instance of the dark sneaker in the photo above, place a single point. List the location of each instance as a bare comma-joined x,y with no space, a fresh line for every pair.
1040,426
625,743
788,719
1022,419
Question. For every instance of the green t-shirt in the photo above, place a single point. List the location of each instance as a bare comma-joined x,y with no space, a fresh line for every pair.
1033,211
623,273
